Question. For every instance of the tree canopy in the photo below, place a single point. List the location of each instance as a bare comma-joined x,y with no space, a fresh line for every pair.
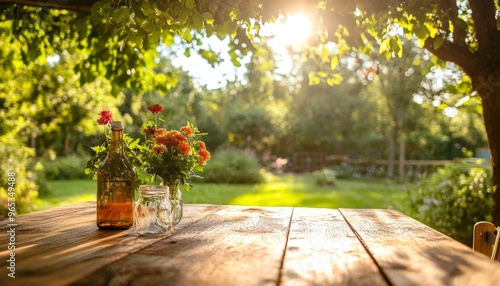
118,40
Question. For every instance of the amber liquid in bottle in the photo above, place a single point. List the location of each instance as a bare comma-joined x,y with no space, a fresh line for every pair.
115,185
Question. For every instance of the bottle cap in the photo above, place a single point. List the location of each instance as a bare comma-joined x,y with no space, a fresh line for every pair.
116,125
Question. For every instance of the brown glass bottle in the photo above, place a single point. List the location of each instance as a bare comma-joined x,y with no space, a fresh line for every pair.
115,185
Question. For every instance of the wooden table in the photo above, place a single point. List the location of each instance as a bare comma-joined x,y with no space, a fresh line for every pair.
234,245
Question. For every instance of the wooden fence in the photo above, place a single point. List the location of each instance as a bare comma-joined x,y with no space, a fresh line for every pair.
311,161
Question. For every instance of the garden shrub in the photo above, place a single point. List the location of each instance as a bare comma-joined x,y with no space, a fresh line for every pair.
453,199
64,167
40,178
232,166
14,159
325,177
346,171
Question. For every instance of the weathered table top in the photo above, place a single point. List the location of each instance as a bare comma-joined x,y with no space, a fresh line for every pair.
235,245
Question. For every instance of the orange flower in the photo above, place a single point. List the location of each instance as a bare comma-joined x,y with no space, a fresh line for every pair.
160,131
176,138
162,139
187,130
184,148
202,145
204,156
180,138
171,133
159,149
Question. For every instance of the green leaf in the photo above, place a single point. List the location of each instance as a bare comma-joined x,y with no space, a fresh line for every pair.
134,143
396,46
421,32
313,79
384,46
334,62
122,14
160,81
149,59
212,7
462,24
442,106
334,80
208,18
234,59
431,29
322,74
190,4
325,55
438,42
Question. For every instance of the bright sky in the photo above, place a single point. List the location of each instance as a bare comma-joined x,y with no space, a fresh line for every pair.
293,32
203,73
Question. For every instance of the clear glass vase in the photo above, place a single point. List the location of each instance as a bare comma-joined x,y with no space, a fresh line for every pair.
175,201
153,211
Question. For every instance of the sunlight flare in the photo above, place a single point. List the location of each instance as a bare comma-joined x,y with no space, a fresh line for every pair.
294,30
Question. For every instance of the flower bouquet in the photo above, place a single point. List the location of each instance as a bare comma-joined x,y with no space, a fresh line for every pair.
173,156
170,155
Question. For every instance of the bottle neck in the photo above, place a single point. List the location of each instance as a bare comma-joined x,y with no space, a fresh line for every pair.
116,148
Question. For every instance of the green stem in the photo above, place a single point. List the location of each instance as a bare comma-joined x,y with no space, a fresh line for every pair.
173,188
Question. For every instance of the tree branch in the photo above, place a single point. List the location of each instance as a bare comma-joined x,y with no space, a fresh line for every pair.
454,52
487,34
450,7
75,5
459,33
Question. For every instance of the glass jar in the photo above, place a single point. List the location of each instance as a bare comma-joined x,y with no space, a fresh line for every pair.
115,185
153,212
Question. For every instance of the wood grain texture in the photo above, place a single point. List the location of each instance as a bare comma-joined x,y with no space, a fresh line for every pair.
410,253
62,245
495,253
233,246
323,250
480,242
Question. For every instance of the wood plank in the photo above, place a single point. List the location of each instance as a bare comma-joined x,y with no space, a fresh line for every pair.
323,250
69,246
482,231
411,253
75,5
496,248
233,246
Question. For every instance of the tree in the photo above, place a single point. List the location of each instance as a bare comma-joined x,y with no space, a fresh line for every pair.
395,81
466,33
330,119
119,37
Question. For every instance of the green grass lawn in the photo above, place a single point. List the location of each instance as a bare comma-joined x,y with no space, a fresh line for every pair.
276,191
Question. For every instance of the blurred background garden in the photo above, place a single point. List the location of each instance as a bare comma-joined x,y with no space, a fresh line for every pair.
400,133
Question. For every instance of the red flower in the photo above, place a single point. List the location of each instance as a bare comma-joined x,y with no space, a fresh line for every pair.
368,70
149,131
105,117
155,109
